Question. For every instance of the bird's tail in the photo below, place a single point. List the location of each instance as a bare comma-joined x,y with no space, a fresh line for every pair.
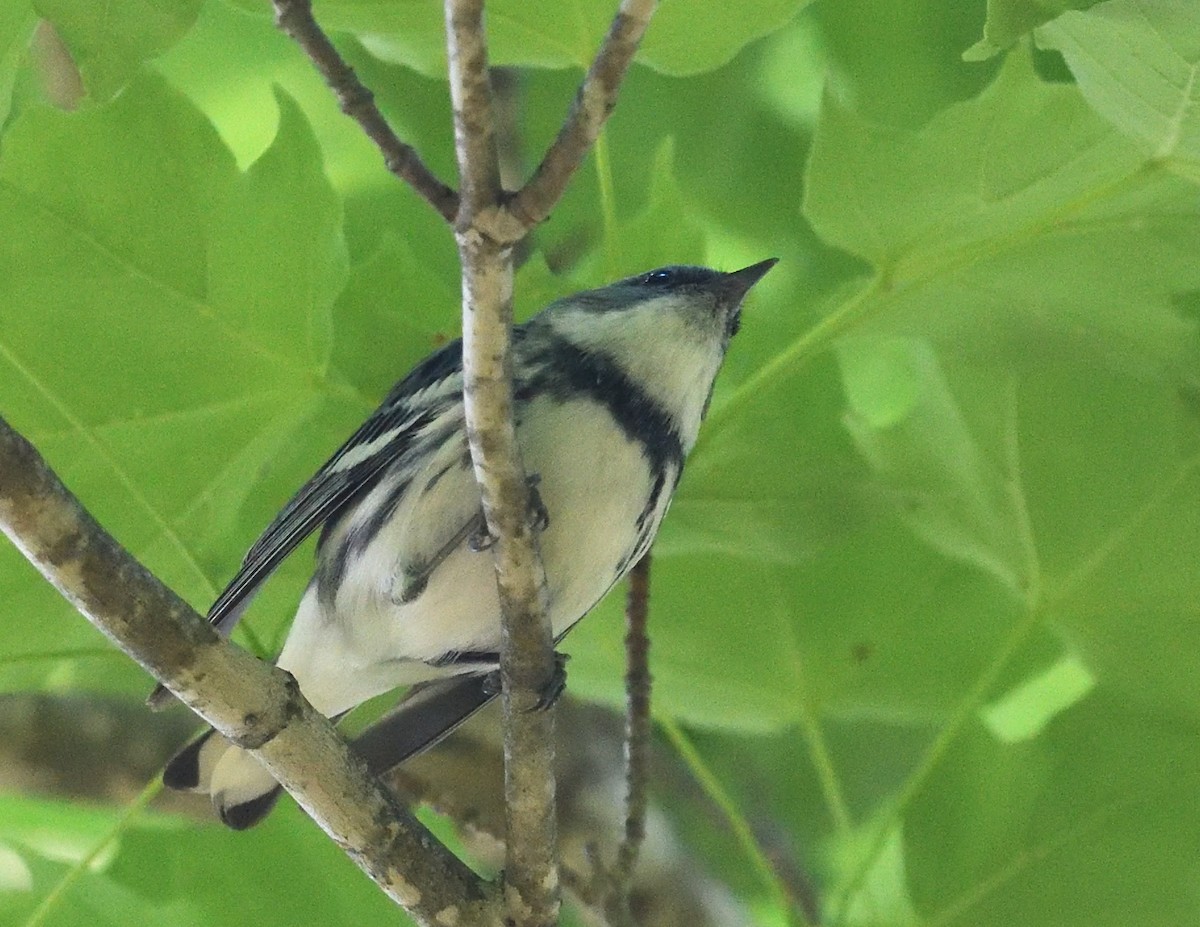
427,713
242,790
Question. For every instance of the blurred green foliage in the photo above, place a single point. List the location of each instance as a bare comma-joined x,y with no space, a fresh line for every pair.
927,598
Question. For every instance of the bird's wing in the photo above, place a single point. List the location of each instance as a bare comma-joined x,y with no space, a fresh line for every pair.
390,431
354,468
342,479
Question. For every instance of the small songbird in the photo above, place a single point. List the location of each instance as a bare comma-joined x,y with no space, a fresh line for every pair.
610,387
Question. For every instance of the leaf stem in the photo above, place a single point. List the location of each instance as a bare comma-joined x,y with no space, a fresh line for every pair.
967,706
72,875
608,206
737,821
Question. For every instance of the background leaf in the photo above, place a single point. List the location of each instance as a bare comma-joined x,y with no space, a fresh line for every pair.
550,34
17,22
1137,65
110,41
1009,20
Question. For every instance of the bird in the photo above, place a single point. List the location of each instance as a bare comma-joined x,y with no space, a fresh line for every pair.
610,388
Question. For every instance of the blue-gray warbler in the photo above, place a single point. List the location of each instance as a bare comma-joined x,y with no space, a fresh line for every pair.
610,387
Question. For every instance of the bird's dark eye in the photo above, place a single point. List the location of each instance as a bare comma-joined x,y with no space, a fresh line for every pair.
657,277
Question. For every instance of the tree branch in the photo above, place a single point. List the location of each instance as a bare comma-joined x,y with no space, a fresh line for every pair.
474,120
485,240
255,705
637,740
295,18
593,103
672,888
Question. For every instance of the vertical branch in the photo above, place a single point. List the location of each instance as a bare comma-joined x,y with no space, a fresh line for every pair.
474,121
637,740
487,227
486,234
259,707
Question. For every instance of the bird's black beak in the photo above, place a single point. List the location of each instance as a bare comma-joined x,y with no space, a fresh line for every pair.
733,288
737,284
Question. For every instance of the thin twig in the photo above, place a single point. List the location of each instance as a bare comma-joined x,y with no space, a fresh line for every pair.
637,739
295,18
531,887
593,103
672,886
255,705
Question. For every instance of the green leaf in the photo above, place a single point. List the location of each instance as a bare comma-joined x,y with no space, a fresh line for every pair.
17,21
1024,711
1109,472
284,872
908,426
901,63
692,36
1009,20
144,242
891,630
394,310
280,228
764,489
94,898
110,41
168,870
685,37
882,193
115,270
666,231
1138,65
883,897
721,653
1019,216
1092,821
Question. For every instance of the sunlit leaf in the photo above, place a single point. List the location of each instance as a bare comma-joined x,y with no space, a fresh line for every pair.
1138,65
1009,20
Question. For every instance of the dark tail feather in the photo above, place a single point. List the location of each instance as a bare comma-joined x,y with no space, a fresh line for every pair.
249,813
183,770
426,714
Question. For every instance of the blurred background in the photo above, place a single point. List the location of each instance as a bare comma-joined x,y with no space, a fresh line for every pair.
924,613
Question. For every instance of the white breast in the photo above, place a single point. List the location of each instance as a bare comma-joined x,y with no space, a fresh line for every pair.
594,482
